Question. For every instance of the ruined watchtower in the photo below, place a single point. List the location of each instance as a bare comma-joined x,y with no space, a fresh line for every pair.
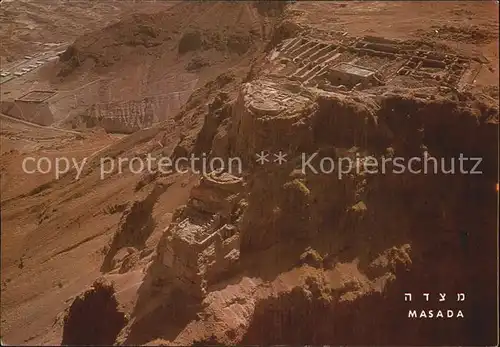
203,242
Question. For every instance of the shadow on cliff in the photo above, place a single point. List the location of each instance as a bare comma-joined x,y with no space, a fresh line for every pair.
94,317
136,226
443,261
160,316
448,221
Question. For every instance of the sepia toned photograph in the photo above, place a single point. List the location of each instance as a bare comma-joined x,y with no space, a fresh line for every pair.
249,173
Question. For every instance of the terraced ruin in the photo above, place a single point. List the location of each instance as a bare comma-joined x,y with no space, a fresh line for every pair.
364,62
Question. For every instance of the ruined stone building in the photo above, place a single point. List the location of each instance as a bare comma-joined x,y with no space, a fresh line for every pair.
203,241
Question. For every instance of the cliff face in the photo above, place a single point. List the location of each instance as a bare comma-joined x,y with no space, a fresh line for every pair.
324,249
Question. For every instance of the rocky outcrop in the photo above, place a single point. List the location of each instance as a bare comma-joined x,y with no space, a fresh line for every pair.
270,116
296,253
260,224
94,318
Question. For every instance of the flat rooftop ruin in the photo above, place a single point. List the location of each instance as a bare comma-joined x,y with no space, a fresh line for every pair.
37,96
350,75
350,69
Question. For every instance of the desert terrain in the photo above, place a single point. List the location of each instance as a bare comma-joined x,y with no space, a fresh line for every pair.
265,250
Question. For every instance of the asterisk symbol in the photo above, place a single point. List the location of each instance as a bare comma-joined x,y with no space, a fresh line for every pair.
280,158
262,157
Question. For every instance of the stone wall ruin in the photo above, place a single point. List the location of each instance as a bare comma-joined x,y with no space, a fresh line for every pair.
308,59
203,241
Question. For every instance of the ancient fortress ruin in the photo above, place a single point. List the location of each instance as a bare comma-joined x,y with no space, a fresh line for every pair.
202,244
360,63
203,241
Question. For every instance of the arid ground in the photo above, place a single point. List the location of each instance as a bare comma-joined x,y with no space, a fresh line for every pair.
271,252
